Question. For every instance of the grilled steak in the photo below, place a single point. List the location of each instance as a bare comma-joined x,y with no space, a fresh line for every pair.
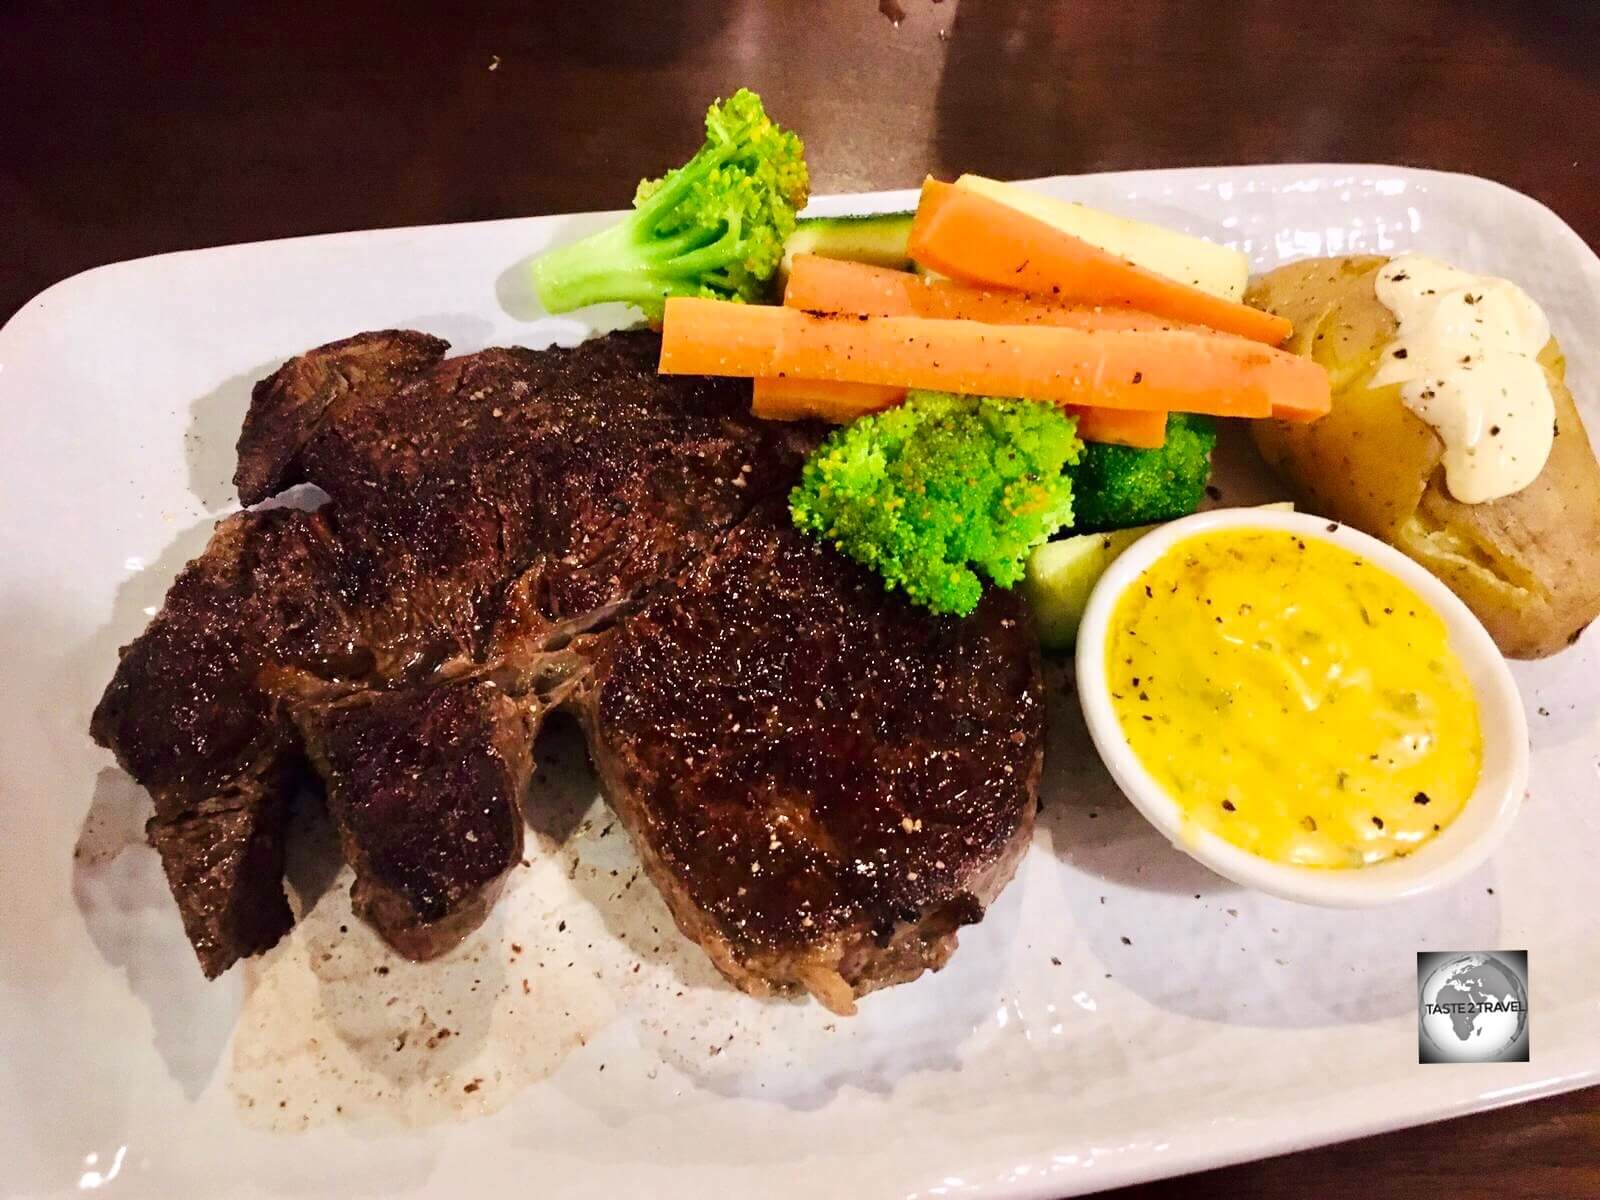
289,406
425,786
198,712
823,781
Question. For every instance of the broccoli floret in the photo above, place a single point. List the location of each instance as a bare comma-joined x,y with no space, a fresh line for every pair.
932,492
1116,486
713,227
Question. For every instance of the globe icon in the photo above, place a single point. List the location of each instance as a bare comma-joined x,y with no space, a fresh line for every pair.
1474,1008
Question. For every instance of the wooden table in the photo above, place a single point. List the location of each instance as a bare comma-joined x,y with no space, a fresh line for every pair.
157,127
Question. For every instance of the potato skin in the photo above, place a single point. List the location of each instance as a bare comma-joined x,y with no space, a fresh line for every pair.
1527,564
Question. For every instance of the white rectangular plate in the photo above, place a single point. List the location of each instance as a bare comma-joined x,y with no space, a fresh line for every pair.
1120,1015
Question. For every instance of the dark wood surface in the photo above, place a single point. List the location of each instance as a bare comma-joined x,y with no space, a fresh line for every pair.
129,129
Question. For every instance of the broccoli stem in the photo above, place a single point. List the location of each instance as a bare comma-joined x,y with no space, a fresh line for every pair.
630,261
613,264
626,262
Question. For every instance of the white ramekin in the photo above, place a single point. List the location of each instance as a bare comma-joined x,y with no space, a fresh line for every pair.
1462,845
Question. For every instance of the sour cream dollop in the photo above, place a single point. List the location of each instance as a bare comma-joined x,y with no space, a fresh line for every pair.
1466,359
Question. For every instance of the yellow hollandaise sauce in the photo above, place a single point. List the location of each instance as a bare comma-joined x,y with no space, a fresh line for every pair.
1294,698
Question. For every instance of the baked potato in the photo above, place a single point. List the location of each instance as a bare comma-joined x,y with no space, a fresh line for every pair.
1527,564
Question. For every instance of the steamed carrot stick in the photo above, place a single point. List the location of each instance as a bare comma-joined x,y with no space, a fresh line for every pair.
1144,430
840,286
1304,406
834,285
978,239
789,399
1123,369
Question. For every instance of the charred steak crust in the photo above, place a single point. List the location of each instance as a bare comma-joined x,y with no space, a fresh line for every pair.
189,718
186,711
582,465
824,782
425,787
224,864
288,407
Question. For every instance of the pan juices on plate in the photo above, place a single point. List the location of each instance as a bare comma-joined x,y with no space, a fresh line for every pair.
1452,436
